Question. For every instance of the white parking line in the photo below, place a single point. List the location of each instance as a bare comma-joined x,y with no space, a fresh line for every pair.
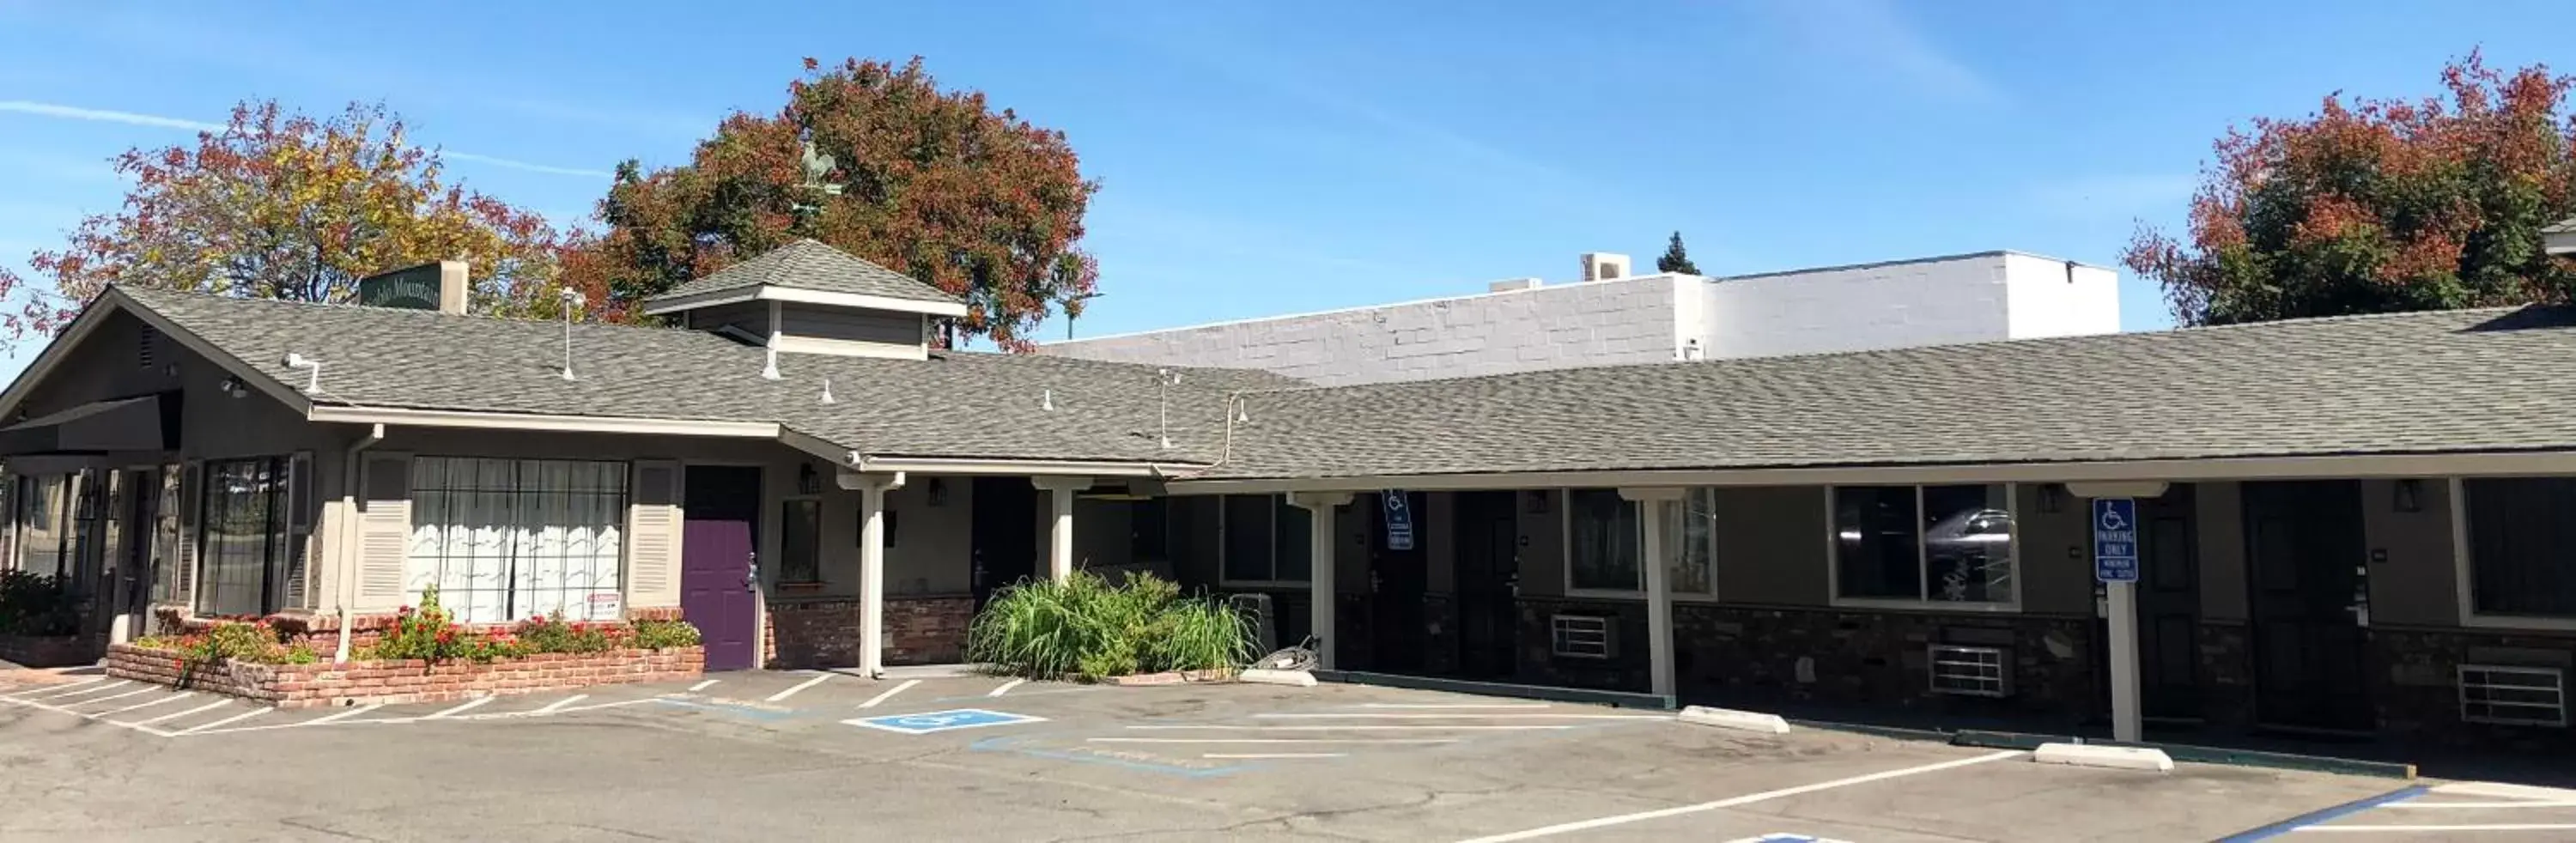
818,679
226,721
334,718
1747,799
2414,804
468,705
1275,755
144,690
559,704
82,693
701,686
1313,716
1371,727
198,710
889,693
1006,687
42,690
2393,829
1274,740
171,698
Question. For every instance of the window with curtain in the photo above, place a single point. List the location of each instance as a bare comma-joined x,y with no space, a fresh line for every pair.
800,540
242,540
1691,531
1603,539
2519,558
1940,544
510,539
1265,539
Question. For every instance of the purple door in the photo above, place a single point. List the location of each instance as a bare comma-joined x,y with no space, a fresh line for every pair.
718,581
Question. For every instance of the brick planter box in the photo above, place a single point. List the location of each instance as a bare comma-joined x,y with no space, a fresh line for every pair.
48,651
371,683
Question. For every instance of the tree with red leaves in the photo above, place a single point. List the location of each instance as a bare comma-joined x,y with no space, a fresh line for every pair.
2379,206
281,205
928,182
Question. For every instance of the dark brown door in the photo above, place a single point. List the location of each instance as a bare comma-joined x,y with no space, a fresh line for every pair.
2169,608
1488,537
2304,555
1398,576
1003,535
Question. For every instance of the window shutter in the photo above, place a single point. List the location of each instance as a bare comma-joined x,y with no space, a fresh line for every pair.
384,532
299,493
192,509
653,536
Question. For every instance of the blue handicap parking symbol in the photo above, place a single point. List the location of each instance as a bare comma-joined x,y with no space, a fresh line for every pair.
942,721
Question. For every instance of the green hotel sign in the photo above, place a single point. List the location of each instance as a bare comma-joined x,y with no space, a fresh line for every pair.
413,287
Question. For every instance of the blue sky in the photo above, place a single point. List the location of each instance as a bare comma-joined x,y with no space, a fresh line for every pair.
1268,158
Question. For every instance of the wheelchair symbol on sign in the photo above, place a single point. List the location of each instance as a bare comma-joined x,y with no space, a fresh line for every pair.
2112,519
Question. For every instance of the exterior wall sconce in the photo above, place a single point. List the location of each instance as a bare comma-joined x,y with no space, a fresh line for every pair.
936,491
2052,497
2409,496
808,482
1538,501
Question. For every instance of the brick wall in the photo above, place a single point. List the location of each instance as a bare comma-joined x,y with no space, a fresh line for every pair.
372,683
1876,658
1627,668
825,633
2415,686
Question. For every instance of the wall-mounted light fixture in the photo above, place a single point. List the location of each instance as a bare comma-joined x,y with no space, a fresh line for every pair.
936,491
808,481
1538,501
233,386
2052,497
2409,496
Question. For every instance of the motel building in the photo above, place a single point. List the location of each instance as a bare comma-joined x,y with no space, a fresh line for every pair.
2353,529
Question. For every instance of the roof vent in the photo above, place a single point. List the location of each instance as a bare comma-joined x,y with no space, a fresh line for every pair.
1604,266
1513,285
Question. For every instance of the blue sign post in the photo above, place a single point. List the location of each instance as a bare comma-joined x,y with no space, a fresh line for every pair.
2115,539
1399,520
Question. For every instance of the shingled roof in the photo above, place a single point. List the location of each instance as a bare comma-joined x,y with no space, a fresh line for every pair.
2456,381
809,264
956,404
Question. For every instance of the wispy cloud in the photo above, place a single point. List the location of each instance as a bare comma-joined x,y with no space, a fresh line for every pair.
97,115
130,118
516,164
1874,34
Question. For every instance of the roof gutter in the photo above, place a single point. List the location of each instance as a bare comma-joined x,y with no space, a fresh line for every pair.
542,421
2341,466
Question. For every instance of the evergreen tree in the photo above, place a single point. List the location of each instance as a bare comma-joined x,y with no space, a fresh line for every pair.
1676,258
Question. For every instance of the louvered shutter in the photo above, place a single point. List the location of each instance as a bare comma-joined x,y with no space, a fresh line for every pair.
192,508
299,530
653,536
384,532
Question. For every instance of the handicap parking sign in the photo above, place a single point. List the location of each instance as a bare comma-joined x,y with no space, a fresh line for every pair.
2115,540
943,721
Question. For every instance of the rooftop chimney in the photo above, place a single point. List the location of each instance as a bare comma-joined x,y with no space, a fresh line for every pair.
1604,266
437,285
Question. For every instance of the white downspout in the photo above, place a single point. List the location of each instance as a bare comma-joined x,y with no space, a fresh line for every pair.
348,537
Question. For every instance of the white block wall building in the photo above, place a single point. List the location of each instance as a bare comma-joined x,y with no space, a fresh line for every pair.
1527,325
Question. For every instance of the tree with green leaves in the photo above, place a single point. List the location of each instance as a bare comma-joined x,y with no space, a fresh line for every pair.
282,205
2379,205
1676,258
877,160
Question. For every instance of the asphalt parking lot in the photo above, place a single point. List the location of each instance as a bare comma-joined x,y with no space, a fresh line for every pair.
805,756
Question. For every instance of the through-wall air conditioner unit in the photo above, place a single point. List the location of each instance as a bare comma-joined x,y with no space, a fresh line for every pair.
2513,696
1581,637
1970,671
1265,632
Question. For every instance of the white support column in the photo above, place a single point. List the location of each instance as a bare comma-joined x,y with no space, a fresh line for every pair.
1651,503
1319,567
1060,495
872,490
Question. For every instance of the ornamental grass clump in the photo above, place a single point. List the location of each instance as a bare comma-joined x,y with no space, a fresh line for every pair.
1086,627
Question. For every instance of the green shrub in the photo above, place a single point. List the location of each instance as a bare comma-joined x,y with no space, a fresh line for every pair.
1084,626
658,634
253,643
37,605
